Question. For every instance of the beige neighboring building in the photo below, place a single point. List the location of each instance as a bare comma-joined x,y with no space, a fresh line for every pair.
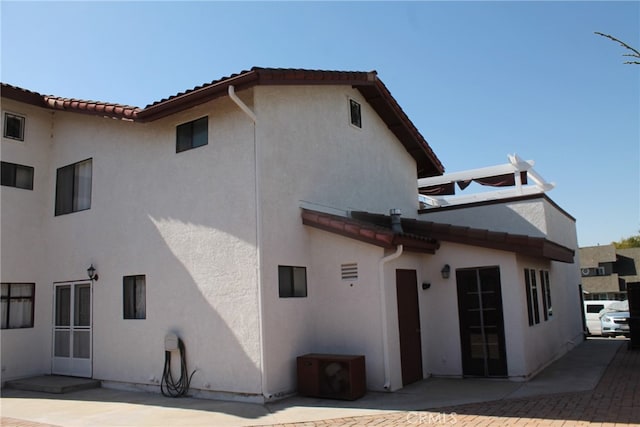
250,216
606,271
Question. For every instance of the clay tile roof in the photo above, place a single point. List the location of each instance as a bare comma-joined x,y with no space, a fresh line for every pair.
367,232
104,109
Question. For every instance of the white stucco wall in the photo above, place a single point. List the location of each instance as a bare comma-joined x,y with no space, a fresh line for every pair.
309,151
536,217
186,221
26,351
528,348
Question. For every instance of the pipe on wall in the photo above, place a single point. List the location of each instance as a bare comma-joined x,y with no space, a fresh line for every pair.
263,375
383,306
239,103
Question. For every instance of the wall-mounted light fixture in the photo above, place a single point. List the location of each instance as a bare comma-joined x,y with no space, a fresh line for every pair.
91,272
426,286
446,271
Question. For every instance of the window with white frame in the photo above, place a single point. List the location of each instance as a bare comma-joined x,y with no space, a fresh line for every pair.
73,187
16,305
134,297
13,126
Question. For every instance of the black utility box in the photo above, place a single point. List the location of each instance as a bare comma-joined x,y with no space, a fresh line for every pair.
332,376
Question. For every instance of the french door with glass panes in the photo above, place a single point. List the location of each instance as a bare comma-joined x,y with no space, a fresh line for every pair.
72,329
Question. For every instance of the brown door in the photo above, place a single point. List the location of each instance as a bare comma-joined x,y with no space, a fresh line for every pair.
481,322
409,326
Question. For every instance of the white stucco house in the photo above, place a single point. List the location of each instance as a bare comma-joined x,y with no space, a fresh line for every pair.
250,216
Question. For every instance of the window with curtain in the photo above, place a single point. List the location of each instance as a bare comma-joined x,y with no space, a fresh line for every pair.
18,176
134,297
73,187
16,305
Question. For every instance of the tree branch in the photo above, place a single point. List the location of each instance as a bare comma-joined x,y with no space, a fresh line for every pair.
635,54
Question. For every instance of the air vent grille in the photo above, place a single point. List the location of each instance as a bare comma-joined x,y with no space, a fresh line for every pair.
349,271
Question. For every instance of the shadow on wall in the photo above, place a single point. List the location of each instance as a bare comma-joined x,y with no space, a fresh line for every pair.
199,263
498,217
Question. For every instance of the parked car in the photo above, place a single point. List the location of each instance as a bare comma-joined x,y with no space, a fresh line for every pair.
592,310
615,323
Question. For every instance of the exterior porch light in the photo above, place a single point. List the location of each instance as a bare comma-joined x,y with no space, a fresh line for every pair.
91,272
446,271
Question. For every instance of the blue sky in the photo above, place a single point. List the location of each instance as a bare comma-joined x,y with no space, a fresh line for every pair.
478,79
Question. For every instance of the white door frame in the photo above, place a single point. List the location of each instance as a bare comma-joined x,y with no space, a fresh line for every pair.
72,343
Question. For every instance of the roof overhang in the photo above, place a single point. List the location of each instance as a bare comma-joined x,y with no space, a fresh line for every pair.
367,232
424,236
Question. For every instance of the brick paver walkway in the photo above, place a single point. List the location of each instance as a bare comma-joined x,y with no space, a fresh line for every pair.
614,402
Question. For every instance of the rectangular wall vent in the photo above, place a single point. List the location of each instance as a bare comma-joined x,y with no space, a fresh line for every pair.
349,271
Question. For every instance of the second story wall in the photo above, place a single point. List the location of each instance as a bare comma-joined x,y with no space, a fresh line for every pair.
308,150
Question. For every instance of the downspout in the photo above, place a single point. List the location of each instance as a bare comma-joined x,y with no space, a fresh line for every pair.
263,376
383,306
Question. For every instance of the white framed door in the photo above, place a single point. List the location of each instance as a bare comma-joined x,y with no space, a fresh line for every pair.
72,324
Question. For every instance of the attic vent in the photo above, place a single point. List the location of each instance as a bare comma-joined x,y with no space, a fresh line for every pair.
349,271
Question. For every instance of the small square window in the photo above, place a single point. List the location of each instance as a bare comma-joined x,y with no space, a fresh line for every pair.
18,176
13,126
192,134
134,297
292,281
356,117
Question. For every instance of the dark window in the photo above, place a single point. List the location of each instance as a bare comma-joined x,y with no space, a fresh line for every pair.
547,308
193,134
594,308
292,281
18,176
134,297
73,187
356,117
16,301
533,308
13,126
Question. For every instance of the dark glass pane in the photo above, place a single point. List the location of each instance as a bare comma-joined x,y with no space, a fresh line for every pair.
200,132
64,190
299,282
355,114
285,281
129,297
183,137
82,309
63,306
24,177
8,174
13,127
